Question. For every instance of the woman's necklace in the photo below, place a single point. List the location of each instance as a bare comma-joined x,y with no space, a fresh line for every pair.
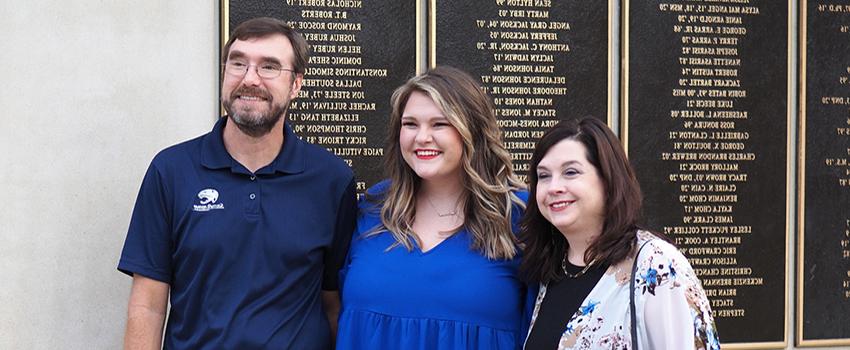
576,275
442,215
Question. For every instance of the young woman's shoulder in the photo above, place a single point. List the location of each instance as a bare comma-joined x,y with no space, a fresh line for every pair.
379,189
369,205
522,194
518,209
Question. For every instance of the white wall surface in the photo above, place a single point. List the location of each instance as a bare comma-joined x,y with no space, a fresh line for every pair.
90,90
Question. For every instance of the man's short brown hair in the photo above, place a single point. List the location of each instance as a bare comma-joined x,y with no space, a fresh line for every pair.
262,27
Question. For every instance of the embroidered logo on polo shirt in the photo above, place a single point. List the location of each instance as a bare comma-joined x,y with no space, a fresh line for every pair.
207,199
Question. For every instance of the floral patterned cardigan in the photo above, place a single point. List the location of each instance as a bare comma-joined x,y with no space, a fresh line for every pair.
672,309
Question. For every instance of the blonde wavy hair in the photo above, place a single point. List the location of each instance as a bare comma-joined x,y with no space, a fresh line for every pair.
489,180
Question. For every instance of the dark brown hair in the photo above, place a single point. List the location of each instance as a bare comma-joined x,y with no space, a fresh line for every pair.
262,27
544,245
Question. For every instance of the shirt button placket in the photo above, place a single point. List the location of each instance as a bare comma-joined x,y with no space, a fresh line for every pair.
252,202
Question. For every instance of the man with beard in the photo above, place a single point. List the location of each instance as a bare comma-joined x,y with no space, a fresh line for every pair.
246,227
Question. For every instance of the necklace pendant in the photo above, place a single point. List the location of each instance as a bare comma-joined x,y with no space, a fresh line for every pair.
442,215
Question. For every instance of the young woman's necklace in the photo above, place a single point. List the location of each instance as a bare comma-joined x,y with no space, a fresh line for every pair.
576,275
442,215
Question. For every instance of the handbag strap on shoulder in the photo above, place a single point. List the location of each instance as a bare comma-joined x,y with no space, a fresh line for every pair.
632,297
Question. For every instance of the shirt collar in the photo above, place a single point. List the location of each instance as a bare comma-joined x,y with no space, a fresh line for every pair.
214,155
290,160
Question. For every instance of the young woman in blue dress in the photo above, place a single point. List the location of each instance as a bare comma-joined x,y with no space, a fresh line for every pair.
581,241
433,262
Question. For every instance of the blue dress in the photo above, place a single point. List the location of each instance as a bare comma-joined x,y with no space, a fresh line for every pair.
450,297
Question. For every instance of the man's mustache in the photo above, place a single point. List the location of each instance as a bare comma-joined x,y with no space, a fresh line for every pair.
250,91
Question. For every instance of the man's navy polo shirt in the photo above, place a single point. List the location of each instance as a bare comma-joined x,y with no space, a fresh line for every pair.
245,255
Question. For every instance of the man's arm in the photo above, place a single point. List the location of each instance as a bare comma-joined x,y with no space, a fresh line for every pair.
331,305
145,314
346,222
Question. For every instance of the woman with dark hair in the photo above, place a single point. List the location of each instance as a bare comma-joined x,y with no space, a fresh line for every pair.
434,260
583,244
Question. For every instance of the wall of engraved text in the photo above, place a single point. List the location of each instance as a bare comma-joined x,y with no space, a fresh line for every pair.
360,52
706,128
542,61
824,266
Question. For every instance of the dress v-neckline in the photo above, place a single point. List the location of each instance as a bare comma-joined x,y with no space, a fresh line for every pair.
438,245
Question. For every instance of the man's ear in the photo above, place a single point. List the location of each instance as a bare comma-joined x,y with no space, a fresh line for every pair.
296,86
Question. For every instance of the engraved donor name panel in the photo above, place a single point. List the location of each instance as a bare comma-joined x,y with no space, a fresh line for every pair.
823,316
360,51
542,61
706,127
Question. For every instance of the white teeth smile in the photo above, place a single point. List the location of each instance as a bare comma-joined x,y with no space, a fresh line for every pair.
559,205
249,98
427,153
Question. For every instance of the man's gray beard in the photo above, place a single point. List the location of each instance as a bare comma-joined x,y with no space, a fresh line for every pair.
258,125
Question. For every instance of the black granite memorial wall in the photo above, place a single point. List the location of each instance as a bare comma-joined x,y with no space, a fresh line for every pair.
706,86
823,305
360,52
705,121
542,61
